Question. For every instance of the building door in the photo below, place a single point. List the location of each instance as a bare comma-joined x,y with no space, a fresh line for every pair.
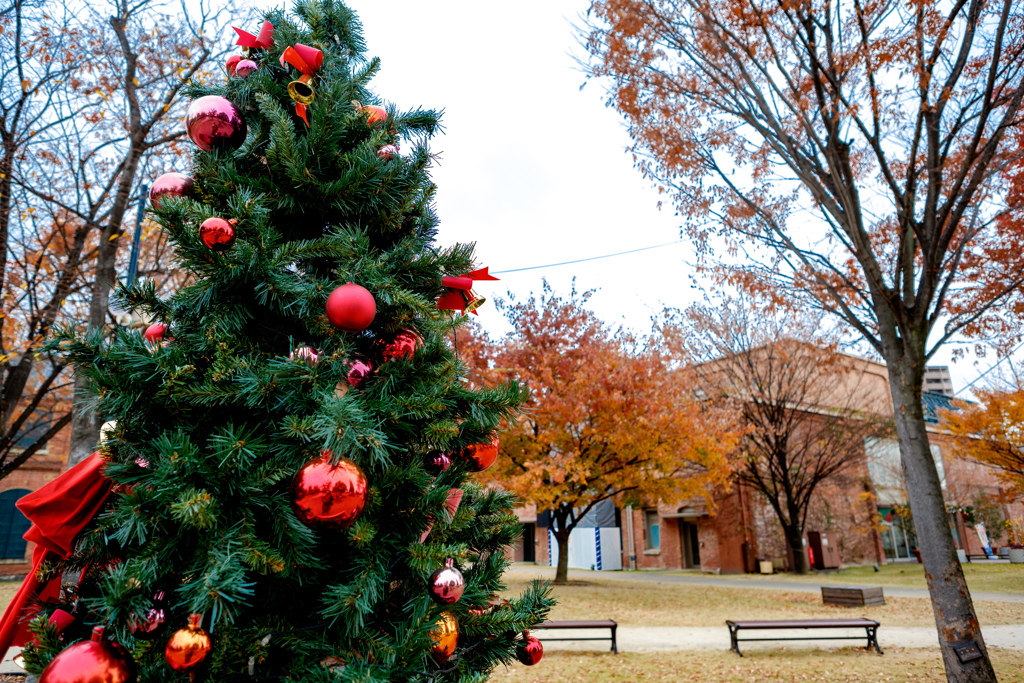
895,539
690,545
13,525
529,542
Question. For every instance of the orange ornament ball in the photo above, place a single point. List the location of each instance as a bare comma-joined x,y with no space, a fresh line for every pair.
327,495
375,114
445,635
481,455
91,661
188,647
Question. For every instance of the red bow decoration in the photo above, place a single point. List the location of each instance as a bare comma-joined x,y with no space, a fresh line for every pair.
264,40
308,61
462,297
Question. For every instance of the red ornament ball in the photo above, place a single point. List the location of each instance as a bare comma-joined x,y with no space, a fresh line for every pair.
360,370
232,63
329,496
351,308
481,455
375,114
155,333
91,661
244,68
446,584
189,646
170,185
530,651
438,462
217,234
402,345
213,121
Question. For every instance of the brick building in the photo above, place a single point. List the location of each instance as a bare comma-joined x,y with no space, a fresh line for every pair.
861,506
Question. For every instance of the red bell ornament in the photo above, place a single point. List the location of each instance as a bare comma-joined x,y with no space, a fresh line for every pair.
445,635
155,333
446,584
329,496
351,307
360,370
171,185
403,344
213,121
530,650
188,647
217,234
91,661
481,455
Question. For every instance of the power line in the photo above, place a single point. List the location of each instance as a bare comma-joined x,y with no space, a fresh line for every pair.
592,258
991,368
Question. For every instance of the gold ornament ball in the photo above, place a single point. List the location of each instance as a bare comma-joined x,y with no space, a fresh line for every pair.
445,635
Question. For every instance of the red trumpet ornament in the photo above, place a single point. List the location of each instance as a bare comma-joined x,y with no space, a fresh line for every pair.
460,295
329,496
530,650
264,41
91,661
308,61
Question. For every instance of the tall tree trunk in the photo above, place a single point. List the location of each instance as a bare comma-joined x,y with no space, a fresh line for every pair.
795,539
562,572
951,601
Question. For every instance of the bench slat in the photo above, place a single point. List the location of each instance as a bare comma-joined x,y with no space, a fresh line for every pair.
593,623
858,622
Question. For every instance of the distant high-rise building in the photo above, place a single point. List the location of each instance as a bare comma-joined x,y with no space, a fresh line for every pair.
938,381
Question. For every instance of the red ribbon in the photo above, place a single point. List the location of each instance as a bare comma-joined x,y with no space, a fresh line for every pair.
264,40
454,300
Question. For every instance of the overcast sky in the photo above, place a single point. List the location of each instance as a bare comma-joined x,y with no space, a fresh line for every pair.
534,169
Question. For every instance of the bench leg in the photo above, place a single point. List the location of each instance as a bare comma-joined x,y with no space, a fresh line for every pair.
615,645
873,639
733,643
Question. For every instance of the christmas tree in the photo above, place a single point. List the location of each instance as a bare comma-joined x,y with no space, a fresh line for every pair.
294,441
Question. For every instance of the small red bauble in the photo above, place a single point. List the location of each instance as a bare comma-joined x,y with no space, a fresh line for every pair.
154,621
351,307
402,345
213,121
189,646
217,234
244,68
375,114
328,496
91,661
171,185
155,333
446,584
360,370
232,63
481,455
530,651
438,462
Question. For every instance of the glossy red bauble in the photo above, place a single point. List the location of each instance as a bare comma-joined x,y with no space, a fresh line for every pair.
91,661
328,496
402,345
438,462
217,234
244,68
481,455
213,121
171,185
155,333
530,651
351,307
446,584
232,62
360,370
188,647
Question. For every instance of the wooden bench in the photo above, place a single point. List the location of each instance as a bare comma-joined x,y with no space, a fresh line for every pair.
852,596
594,623
870,627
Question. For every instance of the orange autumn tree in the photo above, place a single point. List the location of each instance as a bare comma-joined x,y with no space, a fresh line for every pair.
607,417
846,156
992,432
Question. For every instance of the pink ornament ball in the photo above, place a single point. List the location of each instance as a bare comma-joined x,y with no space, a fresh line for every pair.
245,67
351,308
305,354
170,185
217,234
213,121
388,152
360,370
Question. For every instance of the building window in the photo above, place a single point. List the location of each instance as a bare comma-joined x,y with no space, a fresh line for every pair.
12,525
652,525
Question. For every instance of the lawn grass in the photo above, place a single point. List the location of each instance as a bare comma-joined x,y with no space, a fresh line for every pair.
996,578
646,603
845,665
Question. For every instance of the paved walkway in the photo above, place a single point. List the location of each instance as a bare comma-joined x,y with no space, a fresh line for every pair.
767,584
